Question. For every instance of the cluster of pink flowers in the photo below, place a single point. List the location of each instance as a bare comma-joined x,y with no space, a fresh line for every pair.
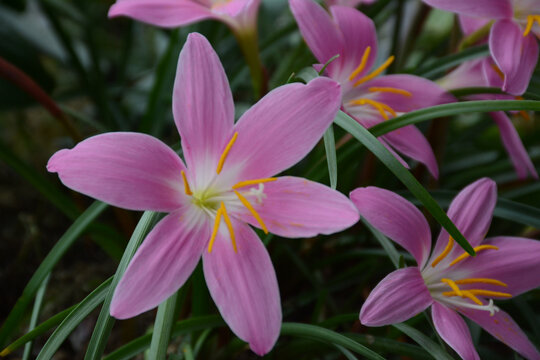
226,182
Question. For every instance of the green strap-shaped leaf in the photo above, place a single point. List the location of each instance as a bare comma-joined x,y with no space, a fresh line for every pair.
162,328
330,147
64,243
429,345
105,322
417,116
81,311
321,334
35,315
387,245
369,141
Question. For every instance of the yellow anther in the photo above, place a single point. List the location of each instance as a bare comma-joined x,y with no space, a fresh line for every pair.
468,294
530,22
215,230
497,70
362,65
391,90
445,252
229,226
453,285
252,182
226,152
476,249
187,190
489,293
379,106
375,72
253,212
480,281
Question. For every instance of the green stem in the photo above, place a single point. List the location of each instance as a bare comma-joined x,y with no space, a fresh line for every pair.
247,39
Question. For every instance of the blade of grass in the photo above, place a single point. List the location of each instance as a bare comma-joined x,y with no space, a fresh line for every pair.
446,62
105,322
330,147
387,245
431,347
35,315
321,334
162,328
81,311
372,144
64,243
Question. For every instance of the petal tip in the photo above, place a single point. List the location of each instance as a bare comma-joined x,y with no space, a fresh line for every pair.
53,165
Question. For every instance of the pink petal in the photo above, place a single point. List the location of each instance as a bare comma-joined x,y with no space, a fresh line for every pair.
295,207
453,331
244,287
203,107
495,9
398,297
410,142
165,13
282,128
425,93
471,24
396,218
516,263
128,170
513,145
505,329
320,32
162,264
358,33
468,74
471,211
514,54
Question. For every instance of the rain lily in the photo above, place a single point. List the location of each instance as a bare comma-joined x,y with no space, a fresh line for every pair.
366,96
449,280
512,39
225,185
482,73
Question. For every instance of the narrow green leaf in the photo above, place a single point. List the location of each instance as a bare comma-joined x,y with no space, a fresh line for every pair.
64,243
349,355
369,141
81,311
431,347
417,116
330,147
162,328
387,245
321,334
137,346
35,315
386,345
105,322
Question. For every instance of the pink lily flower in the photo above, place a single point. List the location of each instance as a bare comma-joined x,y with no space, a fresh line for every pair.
449,280
226,185
366,96
237,14
350,3
482,73
512,39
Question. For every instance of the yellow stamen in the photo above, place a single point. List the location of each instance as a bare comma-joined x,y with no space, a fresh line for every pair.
375,72
530,22
226,152
391,90
445,252
468,294
497,70
362,65
252,182
476,249
480,281
453,285
489,293
215,230
382,108
229,226
253,212
187,190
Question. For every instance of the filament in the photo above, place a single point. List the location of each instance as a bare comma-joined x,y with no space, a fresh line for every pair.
375,72
445,252
253,212
226,152
362,65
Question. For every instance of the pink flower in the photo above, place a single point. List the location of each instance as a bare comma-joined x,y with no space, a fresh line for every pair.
350,3
365,96
449,280
226,185
482,73
512,40
237,14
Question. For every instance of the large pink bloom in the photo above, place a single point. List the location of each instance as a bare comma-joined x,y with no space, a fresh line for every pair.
225,186
367,98
238,14
482,73
449,280
512,40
